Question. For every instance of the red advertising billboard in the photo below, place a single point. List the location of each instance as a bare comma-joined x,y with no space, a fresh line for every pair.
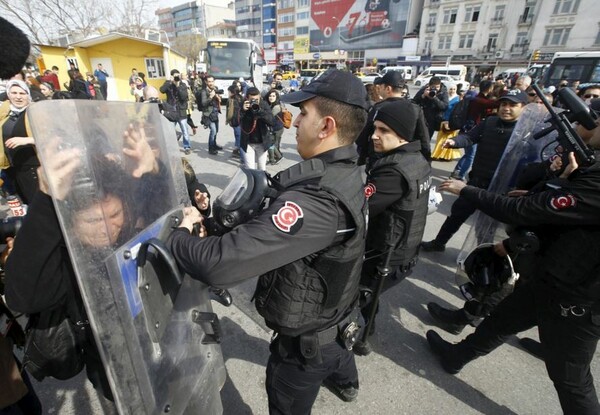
357,24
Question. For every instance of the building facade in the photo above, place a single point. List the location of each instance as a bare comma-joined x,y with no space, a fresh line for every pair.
491,35
194,17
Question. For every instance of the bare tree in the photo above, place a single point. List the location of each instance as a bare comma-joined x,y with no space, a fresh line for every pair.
44,20
189,46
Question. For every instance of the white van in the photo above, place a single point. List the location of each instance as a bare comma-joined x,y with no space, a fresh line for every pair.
456,72
408,74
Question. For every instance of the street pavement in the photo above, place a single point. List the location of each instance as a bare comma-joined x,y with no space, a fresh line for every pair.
401,376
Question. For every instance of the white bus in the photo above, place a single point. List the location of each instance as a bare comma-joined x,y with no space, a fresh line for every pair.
230,59
573,66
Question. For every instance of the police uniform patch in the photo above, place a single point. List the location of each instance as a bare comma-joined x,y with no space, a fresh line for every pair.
288,218
563,202
370,190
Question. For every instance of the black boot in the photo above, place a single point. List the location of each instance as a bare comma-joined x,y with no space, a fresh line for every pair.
347,392
453,321
220,295
451,356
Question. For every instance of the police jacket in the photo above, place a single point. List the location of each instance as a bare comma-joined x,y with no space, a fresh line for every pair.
256,126
307,246
398,193
491,136
566,220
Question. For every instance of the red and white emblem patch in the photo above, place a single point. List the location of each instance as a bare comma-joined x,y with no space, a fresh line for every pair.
370,190
288,218
562,202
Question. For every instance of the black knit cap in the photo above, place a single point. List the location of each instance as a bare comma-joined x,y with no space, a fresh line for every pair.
333,84
401,116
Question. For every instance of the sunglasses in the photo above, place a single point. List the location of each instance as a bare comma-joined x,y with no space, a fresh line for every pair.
588,96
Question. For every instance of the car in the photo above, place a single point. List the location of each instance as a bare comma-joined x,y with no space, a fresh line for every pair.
446,80
288,75
369,78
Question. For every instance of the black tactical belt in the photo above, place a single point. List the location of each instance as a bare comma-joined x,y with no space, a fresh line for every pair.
333,333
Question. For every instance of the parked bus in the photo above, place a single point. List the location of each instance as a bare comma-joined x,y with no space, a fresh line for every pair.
230,59
573,66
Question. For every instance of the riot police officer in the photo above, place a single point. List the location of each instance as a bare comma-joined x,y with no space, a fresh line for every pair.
398,191
563,298
307,247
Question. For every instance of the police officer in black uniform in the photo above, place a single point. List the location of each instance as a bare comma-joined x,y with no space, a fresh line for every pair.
492,136
307,247
563,297
398,191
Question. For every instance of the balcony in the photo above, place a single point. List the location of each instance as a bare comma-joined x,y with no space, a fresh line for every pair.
430,27
496,21
488,49
519,48
525,20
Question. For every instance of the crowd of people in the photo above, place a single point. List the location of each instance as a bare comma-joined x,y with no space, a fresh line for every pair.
329,243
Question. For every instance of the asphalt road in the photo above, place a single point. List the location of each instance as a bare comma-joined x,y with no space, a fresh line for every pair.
400,377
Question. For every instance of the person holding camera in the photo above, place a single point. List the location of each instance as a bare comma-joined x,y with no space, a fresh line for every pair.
209,103
433,98
256,124
177,98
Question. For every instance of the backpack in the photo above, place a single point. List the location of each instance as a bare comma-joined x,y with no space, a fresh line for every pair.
459,115
286,117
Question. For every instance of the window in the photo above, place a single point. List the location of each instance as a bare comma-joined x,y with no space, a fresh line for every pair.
155,68
432,19
472,13
182,13
521,39
286,31
450,16
597,42
557,36
466,41
286,18
492,41
566,6
303,3
427,47
302,30
302,15
445,41
499,13
285,4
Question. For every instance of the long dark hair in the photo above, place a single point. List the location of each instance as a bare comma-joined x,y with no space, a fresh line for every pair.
277,98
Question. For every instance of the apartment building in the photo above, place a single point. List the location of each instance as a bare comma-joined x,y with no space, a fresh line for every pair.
194,17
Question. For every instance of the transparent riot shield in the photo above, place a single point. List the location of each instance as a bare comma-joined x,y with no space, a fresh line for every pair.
115,174
521,149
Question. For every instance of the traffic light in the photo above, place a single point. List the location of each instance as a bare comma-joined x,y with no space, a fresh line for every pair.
535,55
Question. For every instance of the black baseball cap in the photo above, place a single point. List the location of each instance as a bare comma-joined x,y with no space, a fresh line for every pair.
515,95
394,79
333,84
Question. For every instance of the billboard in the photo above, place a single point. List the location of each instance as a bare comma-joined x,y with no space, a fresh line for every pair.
357,24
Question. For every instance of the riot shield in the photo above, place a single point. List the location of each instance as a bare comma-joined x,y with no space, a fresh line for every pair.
521,149
116,178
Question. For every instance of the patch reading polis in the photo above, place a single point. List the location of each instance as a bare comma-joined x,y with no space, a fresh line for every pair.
288,218
564,201
370,190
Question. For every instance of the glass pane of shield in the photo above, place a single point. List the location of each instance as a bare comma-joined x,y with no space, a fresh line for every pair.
114,171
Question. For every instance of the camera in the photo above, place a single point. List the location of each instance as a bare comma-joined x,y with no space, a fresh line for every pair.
220,91
254,105
432,93
176,78
9,227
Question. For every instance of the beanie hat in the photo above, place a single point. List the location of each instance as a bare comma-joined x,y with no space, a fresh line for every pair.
401,116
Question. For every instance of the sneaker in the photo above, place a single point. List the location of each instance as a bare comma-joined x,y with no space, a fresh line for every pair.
453,321
187,151
213,151
218,147
278,161
235,152
455,175
346,392
433,246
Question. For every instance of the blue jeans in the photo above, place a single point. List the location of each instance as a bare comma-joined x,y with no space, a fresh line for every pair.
237,134
184,132
212,136
466,161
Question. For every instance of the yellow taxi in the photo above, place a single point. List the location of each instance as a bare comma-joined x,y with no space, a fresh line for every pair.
288,75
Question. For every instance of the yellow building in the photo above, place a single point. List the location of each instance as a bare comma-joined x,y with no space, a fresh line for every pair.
118,54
